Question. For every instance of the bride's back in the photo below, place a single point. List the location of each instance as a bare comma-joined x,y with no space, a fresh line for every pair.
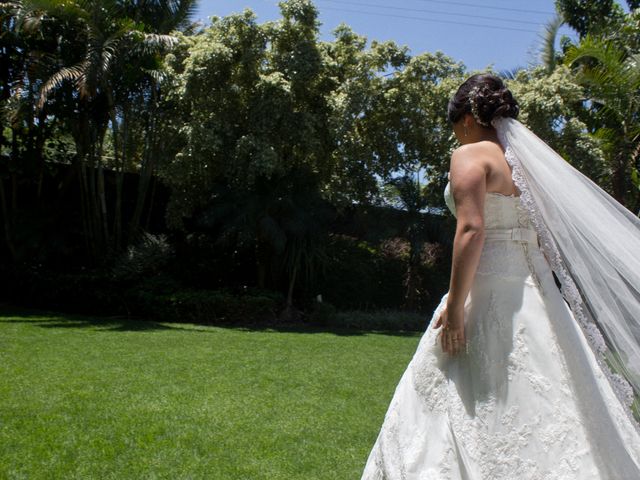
499,178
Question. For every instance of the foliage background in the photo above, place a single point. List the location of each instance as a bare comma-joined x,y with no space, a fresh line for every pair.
232,173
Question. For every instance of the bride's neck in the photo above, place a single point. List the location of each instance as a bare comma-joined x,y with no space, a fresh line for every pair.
480,135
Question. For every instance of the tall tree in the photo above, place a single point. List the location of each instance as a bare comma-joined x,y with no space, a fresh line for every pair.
22,70
389,116
587,16
110,66
255,102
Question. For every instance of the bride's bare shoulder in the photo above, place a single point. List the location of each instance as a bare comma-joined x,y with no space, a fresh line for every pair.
484,153
479,153
484,147
465,171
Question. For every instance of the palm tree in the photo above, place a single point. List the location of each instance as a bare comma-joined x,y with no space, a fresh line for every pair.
21,74
112,66
406,192
612,79
548,53
11,73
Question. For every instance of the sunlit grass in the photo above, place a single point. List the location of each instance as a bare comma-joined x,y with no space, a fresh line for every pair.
113,399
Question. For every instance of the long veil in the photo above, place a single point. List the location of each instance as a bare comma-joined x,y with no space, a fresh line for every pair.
593,245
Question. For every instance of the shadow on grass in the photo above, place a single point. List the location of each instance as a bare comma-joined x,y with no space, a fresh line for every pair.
305,328
50,319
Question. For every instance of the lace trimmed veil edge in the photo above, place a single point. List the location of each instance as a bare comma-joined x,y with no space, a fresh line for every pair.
593,246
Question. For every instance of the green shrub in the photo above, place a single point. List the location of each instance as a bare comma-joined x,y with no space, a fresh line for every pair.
87,292
364,276
386,319
156,297
206,307
148,256
322,314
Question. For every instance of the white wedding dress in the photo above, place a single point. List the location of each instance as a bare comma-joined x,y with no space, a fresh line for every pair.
528,400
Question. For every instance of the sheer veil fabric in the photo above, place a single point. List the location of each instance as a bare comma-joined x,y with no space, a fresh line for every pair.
593,246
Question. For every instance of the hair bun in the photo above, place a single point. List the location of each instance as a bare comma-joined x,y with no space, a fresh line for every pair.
486,97
494,102
506,105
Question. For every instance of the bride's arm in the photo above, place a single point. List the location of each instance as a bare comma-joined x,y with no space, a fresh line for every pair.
468,185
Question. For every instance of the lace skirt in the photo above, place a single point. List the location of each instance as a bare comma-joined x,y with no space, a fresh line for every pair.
527,400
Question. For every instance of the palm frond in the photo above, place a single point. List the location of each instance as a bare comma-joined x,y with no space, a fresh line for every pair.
192,28
66,74
108,52
158,76
632,65
612,77
548,49
180,14
407,192
29,21
608,57
510,74
607,137
68,9
153,42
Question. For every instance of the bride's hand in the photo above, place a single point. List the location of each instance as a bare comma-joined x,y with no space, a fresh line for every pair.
452,336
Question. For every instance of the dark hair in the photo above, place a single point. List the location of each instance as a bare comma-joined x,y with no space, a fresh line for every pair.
490,97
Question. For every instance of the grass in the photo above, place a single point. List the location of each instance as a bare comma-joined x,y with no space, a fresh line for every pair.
104,398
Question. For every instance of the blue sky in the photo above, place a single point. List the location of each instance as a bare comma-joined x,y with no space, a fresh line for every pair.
502,33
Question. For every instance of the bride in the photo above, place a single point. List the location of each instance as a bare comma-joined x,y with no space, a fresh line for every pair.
515,378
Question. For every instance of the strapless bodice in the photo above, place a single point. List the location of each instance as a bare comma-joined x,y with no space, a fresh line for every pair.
500,211
505,219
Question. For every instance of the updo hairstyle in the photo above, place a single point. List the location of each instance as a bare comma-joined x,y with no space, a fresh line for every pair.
485,97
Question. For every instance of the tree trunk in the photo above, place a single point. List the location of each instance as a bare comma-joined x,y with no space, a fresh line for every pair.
261,264
118,143
154,182
144,178
5,81
88,135
292,282
619,181
6,216
41,135
117,213
620,178
117,228
149,159
80,168
94,206
290,313
413,280
102,197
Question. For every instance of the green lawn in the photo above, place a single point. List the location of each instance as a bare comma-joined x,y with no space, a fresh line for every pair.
85,398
